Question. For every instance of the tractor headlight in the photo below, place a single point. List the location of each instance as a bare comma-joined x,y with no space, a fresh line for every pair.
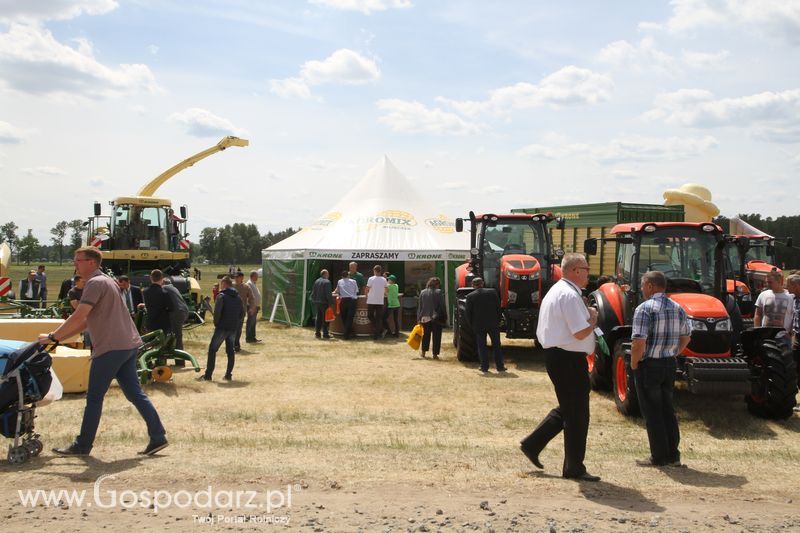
511,275
724,325
697,325
536,275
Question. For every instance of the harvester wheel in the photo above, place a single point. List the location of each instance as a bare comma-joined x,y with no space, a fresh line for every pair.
624,389
774,374
464,339
599,377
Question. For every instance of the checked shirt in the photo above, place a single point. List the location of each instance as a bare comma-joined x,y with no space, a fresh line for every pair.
662,322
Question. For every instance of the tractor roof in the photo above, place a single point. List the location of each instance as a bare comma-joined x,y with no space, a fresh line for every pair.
634,227
515,216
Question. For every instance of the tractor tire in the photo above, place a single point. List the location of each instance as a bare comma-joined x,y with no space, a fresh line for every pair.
774,375
624,389
599,370
463,337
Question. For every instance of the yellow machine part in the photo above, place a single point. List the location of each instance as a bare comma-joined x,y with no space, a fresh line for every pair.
28,329
72,368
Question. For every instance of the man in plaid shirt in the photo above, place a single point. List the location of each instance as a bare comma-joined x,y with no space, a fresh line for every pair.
660,332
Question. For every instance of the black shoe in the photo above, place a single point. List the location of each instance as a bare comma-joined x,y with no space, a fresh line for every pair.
154,447
646,462
502,369
395,335
532,457
204,378
484,370
435,356
586,476
326,336
73,450
227,377
237,350
317,335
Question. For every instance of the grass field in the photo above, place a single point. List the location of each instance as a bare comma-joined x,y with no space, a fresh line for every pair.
373,437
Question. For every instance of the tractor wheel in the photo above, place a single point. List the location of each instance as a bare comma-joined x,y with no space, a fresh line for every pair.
599,377
774,375
624,389
464,339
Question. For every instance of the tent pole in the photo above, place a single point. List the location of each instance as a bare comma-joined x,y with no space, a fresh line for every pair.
305,282
447,290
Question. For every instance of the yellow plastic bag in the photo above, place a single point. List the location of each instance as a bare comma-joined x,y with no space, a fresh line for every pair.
415,337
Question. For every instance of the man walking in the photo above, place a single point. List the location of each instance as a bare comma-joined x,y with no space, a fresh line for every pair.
483,315
157,303
347,290
566,332
376,292
322,298
228,310
248,304
115,343
660,332
177,316
252,318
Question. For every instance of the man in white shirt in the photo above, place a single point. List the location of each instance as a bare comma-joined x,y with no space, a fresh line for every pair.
774,306
347,291
376,292
250,328
566,332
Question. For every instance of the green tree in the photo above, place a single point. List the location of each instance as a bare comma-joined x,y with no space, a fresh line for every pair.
76,237
8,234
208,244
28,248
59,232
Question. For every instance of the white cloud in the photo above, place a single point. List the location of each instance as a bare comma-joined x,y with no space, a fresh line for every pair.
153,49
452,186
428,163
96,183
628,148
645,56
44,171
33,61
364,6
290,88
38,10
10,134
343,67
569,86
412,117
771,115
494,189
771,17
203,123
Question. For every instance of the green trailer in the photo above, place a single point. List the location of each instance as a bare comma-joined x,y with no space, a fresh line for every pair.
583,221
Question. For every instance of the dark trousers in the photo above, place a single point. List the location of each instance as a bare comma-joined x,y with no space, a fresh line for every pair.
347,310
119,364
319,322
570,376
483,352
432,329
237,339
220,336
655,382
177,320
394,312
375,315
250,326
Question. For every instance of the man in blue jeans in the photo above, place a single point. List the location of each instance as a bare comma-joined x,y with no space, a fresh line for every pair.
660,332
228,309
115,343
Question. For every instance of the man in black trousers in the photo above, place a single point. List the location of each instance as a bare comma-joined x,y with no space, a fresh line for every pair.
157,303
483,315
566,332
322,298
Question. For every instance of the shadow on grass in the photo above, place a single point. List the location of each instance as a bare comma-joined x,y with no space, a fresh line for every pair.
524,358
608,494
167,389
235,384
697,478
725,417
92,467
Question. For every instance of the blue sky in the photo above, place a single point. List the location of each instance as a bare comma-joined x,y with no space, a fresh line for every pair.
483,105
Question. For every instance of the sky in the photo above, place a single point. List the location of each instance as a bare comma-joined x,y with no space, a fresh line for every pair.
484,106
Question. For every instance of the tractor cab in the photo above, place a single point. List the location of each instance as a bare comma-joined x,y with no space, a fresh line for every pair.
752,257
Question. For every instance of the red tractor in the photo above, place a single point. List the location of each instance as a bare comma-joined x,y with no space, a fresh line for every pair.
721,358
514,255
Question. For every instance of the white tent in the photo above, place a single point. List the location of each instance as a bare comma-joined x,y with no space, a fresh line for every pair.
382,218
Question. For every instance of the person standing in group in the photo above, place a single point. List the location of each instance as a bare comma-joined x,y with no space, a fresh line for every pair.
660,332
248,303
157,303
66,285
41,277
347,291
228,311
252,318
131,294
177,316
214,291
432,314
322,299
793,286
775,306
30,290
116,343
566,332
376,292
357,276
483,315
392,306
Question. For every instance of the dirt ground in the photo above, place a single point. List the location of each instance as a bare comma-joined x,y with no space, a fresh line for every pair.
367,436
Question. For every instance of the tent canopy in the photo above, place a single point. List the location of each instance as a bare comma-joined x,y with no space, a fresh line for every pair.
381,218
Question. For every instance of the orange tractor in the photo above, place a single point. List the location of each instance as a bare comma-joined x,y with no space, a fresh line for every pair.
722,357
514,255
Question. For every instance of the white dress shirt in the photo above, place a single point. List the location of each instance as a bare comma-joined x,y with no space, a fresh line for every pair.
562,315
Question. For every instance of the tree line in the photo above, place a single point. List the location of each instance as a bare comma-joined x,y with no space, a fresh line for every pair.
236,243
780,228
66,237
